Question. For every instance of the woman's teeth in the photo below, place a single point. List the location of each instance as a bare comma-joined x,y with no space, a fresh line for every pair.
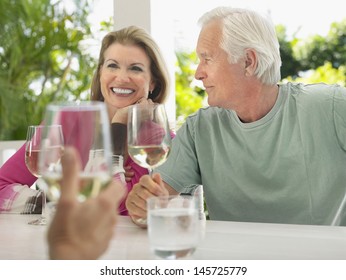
122,91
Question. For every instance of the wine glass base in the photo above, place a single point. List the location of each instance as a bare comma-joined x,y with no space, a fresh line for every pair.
38,222
142,221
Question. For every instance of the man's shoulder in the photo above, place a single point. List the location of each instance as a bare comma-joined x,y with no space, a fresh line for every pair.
314,89
205,112
207,116
318,93
315,97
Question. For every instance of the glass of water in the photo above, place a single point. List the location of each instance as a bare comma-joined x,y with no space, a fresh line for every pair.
174,227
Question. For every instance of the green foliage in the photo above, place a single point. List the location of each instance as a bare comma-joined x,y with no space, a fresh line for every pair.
41,59
323,74
310,60
290,65
316,50
189,97
322,59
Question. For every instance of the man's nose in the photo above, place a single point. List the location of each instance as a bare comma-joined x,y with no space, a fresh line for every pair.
199,73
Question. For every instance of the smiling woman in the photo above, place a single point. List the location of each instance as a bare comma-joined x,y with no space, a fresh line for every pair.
125,75
125,55
130,70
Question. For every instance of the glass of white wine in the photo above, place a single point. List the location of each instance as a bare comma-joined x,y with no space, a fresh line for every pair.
148,136
32,152
85,126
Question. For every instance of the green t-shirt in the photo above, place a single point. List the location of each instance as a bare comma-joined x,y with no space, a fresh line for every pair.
288,167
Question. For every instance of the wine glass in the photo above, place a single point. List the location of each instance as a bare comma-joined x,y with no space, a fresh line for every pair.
85,126
32,151
148,137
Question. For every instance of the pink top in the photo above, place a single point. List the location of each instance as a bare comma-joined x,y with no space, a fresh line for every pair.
14,172
15,178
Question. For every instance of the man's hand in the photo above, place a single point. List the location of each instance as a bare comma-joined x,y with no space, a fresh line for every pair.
136,202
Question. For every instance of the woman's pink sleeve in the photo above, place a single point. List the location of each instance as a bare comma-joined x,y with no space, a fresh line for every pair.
14,171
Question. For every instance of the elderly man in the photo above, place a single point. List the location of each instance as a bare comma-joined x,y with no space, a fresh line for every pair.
263,151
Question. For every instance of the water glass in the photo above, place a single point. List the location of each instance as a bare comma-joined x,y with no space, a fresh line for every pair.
174,227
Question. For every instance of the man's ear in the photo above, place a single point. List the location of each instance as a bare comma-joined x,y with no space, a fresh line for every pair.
250,62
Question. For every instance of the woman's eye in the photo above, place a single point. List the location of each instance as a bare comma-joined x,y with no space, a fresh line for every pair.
112,65
136,68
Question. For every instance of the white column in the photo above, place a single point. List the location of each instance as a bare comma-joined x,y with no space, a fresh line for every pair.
156,16
132,12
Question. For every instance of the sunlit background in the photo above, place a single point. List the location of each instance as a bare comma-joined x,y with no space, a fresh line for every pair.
49,49
301,18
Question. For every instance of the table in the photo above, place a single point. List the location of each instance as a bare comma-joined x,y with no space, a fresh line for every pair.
223,240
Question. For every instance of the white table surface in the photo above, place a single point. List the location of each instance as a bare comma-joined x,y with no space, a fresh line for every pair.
223,240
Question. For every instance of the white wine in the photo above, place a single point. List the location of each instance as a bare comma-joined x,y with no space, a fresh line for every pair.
90,184
149,156
31,161
52,189
52,153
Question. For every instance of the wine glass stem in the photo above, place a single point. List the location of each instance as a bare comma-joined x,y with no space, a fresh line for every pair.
144,221
44,201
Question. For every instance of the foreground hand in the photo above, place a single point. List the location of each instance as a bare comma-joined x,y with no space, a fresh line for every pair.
82,230
136,202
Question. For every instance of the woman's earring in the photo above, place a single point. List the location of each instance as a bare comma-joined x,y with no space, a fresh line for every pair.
150,92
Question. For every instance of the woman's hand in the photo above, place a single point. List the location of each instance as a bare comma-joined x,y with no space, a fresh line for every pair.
120,116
